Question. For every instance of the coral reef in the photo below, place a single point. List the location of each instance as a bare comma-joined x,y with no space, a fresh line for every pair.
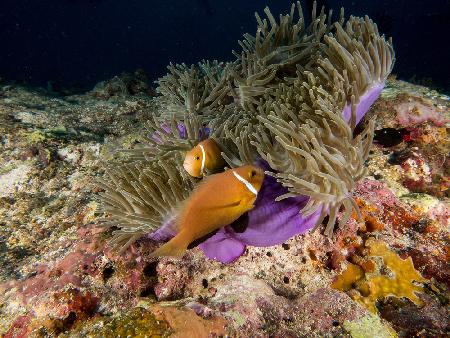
60,276
136,323
50,245
53,256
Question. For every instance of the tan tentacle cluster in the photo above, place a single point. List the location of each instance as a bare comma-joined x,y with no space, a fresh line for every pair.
273,54
139,196
199,89
312,151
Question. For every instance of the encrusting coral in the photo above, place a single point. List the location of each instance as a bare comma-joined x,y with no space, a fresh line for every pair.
289,103
374,286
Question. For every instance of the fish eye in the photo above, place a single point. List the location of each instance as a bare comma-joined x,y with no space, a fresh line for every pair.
253,173
197,157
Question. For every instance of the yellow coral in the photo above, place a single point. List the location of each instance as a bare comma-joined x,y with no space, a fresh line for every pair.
376,286
348,278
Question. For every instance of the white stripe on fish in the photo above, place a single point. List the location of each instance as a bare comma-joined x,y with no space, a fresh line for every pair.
203,159
247,183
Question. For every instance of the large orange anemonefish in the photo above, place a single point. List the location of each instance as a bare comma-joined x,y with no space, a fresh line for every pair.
217,201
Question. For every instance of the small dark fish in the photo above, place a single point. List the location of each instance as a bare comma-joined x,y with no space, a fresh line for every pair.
389,137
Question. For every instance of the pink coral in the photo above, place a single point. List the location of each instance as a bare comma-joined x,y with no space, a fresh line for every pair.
413,112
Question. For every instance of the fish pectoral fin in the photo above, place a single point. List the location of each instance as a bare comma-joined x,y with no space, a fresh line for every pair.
228,205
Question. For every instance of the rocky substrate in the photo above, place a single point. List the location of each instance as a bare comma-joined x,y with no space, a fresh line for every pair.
58,275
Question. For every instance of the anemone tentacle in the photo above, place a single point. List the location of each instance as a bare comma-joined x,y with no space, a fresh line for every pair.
140,196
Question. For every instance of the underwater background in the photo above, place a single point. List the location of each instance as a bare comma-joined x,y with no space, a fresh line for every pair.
77,43
345,227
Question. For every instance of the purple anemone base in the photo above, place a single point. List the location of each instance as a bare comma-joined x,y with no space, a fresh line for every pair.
365,102
165,126
269,222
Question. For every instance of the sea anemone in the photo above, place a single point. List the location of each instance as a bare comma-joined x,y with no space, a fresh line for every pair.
289,104
139,197
198,89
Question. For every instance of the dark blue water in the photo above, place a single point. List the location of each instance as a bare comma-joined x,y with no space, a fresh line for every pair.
80,42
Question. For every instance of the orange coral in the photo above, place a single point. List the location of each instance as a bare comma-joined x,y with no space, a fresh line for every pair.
375,286
367,210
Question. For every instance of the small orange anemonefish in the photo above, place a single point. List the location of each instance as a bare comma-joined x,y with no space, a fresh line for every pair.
205,156
218,200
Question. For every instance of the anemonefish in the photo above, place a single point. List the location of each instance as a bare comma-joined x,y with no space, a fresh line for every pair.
204,156
217,201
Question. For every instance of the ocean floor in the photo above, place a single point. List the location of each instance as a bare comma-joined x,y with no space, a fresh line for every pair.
388,276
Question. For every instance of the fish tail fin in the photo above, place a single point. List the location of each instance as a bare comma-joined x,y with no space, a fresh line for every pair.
176,247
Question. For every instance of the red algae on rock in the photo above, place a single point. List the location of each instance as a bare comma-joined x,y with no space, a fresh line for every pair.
414,111
19,328
380,207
